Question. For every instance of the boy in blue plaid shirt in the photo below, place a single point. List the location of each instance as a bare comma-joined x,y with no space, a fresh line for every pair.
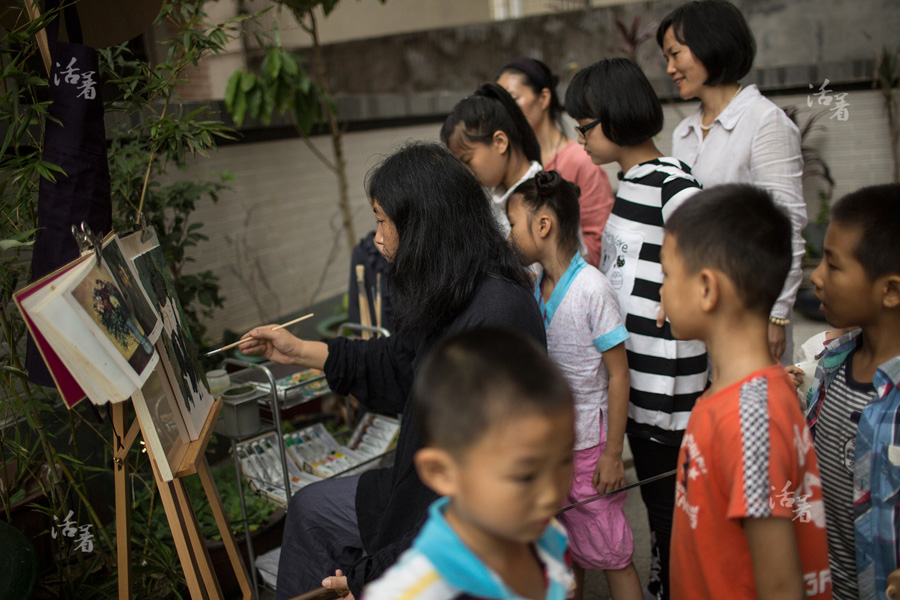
854,404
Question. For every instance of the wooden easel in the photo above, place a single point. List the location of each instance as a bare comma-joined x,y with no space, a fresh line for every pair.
192,553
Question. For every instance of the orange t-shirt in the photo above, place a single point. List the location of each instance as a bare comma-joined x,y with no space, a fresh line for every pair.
746,454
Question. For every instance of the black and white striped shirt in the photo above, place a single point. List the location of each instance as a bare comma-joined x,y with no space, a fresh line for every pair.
667,375
836,447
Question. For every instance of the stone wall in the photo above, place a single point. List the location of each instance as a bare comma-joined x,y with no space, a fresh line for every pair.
799,42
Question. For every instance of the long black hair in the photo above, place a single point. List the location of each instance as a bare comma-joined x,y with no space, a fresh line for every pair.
488,110
548,189
537,76
448,237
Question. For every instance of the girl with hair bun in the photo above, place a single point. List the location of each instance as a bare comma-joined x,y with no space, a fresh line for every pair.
532,85
489,134
586,337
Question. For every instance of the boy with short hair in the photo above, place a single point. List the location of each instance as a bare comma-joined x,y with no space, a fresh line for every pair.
496,419
854,403
749,519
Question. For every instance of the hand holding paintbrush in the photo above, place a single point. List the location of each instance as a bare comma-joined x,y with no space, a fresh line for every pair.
279,345
246,349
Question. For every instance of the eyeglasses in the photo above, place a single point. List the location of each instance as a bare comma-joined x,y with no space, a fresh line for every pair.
583,129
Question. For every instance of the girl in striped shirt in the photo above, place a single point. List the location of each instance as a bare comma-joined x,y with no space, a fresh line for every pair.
618,114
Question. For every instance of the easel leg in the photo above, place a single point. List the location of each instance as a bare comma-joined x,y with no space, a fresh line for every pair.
177,524
218,511
123,504
198,544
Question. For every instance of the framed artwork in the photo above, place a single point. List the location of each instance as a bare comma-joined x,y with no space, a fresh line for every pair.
178,352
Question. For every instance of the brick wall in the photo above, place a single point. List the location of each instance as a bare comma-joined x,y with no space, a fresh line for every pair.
270,238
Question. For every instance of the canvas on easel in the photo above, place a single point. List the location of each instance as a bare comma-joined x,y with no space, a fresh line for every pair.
70,390
177,349
81,314
125,276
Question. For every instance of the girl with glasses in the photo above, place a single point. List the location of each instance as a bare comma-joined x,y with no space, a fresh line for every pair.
618,114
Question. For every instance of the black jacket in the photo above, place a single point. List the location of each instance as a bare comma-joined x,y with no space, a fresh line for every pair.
391,503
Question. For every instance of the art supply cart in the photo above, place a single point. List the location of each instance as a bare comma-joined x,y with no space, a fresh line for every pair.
277,466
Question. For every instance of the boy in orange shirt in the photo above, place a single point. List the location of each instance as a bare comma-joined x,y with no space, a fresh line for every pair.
749,517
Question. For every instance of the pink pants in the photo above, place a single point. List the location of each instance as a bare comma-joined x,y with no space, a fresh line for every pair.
599,534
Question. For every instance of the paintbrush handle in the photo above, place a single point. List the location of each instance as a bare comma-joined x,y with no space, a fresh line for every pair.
378,300
364,317
244,339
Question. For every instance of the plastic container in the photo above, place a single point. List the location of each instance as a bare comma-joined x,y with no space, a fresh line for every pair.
240,411
218,381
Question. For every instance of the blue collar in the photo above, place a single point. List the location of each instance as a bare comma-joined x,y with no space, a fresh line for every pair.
548,309
462,569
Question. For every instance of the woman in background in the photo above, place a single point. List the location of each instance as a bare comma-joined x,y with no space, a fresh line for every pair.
533,86
736,135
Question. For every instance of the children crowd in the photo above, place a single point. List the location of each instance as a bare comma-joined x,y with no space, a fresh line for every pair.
660,313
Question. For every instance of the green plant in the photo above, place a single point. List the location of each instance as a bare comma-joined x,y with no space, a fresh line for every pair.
631,38
65,453
284,86
814,164
887,78
258,510
814,167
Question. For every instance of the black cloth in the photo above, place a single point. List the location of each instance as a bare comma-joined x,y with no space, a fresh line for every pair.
74,140
365,253
391,503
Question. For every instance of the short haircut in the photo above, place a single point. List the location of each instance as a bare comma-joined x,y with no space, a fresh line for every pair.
476,380
488,110
717,34
736,229
549,189
875,210
617,92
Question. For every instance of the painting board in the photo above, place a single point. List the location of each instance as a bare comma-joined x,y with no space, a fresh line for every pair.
70,390
122,271
97,299
176,346
99,369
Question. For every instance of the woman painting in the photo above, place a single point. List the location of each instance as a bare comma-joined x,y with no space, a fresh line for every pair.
451,270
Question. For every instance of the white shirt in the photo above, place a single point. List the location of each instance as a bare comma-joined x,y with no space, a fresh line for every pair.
499,196
752,141
583,321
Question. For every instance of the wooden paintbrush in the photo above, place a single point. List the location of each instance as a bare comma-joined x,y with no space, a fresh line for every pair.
276,328
364,317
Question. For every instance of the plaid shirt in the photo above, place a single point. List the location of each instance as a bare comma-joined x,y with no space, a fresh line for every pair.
876,480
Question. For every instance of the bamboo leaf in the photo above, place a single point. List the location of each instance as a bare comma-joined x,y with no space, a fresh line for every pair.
248,82
274,60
